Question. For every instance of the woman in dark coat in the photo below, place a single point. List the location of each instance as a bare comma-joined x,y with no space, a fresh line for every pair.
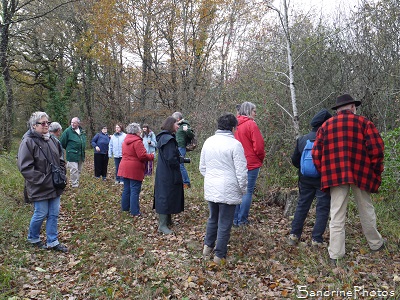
37,151
168,188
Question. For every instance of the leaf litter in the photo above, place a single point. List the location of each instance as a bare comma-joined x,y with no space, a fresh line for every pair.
115,256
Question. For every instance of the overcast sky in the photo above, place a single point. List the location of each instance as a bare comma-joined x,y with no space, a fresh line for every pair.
326,7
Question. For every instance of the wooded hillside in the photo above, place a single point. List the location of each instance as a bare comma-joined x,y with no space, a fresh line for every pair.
107,61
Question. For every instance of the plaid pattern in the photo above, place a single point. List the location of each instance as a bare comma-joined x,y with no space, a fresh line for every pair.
349,150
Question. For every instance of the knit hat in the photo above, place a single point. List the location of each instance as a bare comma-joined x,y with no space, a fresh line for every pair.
344,100
320,117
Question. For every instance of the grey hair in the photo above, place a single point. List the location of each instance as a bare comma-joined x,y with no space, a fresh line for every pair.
177,115
35,117
133,128
246,108
54,127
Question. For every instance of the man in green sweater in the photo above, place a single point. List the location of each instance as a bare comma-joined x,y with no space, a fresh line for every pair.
73,140
183,136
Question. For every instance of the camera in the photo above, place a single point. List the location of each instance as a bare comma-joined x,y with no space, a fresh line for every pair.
184,160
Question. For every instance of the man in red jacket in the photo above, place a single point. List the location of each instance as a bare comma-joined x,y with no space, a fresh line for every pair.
348,152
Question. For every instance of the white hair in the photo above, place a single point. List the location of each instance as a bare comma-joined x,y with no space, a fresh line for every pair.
35,117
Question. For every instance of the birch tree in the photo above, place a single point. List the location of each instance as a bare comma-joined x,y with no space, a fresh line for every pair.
284,20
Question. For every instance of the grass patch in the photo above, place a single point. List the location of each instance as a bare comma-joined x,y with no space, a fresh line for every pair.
114,256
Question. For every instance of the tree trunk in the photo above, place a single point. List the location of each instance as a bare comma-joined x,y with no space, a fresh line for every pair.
291,70
5,27
87,79
286,198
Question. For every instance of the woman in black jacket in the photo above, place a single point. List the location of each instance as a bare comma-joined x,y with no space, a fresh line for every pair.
168,187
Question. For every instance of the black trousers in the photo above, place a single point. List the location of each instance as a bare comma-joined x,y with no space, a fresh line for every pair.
100,165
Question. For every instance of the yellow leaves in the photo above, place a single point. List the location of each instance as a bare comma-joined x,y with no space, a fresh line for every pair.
191,283
310,279
284,293
212,266
72,262
273,285
107,22
140,251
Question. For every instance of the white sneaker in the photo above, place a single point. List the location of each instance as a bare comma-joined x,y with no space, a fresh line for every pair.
219,261
121,182
207,250
293,240
319,244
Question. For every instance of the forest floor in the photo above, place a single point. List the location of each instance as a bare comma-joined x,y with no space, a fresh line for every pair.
114,256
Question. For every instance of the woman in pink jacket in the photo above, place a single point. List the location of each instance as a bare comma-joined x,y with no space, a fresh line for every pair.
131,168
249,135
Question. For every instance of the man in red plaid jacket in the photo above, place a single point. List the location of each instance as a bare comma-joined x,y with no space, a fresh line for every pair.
348,152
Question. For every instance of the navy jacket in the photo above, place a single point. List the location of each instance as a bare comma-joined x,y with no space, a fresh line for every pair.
316,122
102,140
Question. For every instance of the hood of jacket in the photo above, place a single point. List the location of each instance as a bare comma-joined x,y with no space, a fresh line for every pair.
163,137
243,119
320,117
131,138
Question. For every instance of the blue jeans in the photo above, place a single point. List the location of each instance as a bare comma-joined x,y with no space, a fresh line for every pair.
219,226
185,176
130,196
117,161
242,210
45,209
307,192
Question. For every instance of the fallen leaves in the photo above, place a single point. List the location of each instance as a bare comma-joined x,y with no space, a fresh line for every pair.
116,257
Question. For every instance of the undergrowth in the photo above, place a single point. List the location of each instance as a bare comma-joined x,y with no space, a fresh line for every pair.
113,256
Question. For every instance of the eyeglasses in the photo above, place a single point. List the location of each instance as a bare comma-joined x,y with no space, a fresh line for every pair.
44,123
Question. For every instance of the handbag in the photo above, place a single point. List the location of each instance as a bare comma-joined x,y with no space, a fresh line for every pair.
59,177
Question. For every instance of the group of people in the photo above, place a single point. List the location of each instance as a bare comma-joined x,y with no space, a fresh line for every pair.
133,154
110,146
348,153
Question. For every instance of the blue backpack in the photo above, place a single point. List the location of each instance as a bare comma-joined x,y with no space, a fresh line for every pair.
307,167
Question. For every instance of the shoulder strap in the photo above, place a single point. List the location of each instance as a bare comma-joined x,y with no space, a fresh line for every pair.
42,151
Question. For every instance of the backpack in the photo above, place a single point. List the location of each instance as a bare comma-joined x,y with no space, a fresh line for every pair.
307,167
192,143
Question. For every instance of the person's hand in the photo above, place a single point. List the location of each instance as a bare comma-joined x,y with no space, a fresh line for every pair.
97,148
185,127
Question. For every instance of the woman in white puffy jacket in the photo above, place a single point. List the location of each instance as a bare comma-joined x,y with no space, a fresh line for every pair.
224,167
